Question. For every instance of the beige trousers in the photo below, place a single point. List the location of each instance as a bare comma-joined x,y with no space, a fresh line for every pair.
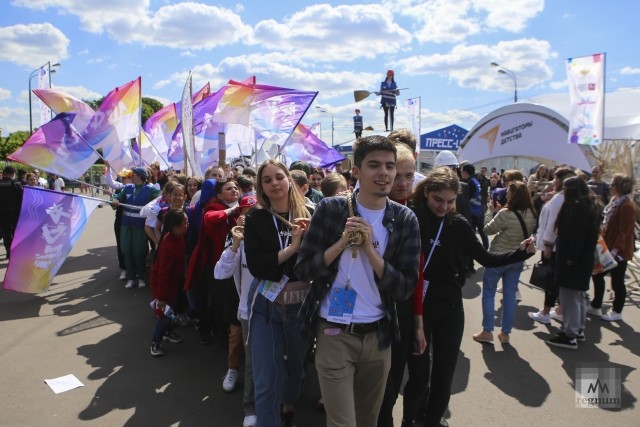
352,372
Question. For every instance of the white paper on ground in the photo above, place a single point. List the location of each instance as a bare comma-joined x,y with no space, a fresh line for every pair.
62,384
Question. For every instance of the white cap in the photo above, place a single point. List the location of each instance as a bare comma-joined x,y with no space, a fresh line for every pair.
446,158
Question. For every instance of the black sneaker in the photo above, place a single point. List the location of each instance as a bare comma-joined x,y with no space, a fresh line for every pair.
172,337
563,341
580,337
156,349
287,419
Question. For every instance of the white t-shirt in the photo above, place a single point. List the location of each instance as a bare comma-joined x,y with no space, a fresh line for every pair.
58,184
368,307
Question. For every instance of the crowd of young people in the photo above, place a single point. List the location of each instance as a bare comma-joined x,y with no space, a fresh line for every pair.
285,262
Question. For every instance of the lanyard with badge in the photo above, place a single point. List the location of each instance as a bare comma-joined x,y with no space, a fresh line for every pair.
342,300
269,288
425,283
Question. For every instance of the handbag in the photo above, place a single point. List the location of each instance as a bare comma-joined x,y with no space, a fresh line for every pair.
603,260
542,275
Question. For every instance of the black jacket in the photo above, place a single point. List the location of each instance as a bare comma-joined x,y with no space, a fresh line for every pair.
446,270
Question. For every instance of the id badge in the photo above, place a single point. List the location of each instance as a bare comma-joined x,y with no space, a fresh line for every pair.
271,289
341,304
425,286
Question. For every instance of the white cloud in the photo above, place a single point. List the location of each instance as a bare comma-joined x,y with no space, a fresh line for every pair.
440,21
453,21
186,25
33,44
13,119
83,52
80,92
4,94
188,54
95,15
279,70
559,85
98,60
508,14
468,65
629,71
343,33
160,99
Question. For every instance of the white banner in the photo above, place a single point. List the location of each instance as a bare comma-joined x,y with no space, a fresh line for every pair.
413,105
585,76
44,82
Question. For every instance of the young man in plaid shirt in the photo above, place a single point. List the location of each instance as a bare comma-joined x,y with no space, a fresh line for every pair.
351,306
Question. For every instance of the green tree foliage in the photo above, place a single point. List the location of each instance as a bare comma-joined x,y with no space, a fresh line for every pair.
12,142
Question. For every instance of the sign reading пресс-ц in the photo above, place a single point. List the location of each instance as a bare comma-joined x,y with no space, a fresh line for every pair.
448,138
598,386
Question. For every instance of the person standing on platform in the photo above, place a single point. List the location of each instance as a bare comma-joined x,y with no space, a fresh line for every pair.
357,124
388,92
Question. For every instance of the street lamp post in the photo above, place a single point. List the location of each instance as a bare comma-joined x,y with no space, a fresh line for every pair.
51,69
323,110
508,72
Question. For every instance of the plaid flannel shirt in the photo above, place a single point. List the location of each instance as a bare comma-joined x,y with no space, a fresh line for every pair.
401,258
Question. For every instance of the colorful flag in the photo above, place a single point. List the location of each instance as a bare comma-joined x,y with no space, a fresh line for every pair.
305,146
413,105
50,224
160,128
62,102
586,77
118,118
44,82
58,148
272,112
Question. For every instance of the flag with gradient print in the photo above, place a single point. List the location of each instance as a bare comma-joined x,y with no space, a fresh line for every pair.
58,148
50,224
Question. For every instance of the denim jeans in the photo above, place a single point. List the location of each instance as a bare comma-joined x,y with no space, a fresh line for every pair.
278,352
163,325
510,275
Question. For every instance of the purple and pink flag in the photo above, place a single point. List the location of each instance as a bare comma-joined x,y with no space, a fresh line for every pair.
50,224
304,145
58,148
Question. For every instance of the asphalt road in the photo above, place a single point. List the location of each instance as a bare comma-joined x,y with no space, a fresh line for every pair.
88,325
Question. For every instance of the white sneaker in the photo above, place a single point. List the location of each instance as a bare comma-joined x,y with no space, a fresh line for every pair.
141,283
518,295
539,316
250,421
556,316
123,274
612,316
230,380
594,311
129,284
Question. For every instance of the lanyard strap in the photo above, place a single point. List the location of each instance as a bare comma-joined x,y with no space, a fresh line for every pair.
286,239
435,242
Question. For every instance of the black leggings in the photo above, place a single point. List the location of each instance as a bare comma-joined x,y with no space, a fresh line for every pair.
388,113
617,284
443,329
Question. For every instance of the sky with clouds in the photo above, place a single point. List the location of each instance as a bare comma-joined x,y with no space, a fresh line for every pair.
440,50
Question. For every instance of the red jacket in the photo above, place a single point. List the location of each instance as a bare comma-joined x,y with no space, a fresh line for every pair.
215,227
167,271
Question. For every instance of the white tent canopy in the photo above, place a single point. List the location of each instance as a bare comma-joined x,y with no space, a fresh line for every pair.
523,130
